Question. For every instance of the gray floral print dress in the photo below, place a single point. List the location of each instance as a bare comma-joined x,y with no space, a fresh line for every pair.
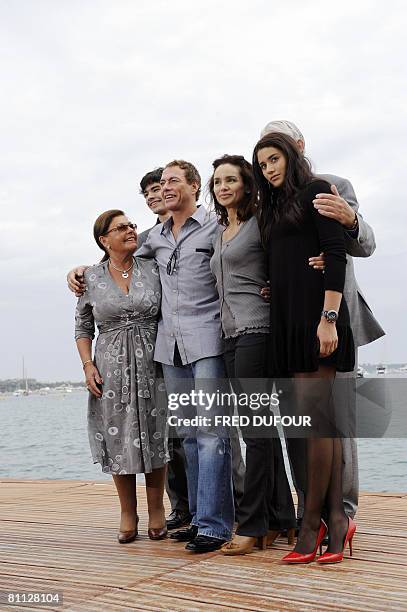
127,425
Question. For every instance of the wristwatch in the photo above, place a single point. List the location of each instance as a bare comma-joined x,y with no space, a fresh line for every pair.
330,315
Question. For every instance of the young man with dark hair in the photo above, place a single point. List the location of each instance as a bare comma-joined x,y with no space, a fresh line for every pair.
150,188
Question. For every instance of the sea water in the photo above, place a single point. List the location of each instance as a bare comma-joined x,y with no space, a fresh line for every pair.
45,437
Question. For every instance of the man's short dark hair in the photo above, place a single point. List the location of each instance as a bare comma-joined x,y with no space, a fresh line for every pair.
151,177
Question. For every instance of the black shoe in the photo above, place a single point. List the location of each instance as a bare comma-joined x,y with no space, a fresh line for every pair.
178,519
185,535
204,544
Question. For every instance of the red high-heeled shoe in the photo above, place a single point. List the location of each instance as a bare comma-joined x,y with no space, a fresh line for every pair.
296,557
329,557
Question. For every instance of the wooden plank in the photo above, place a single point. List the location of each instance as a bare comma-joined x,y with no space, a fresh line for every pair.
62,535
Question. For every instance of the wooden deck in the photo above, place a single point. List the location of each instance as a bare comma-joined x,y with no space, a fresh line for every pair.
61,535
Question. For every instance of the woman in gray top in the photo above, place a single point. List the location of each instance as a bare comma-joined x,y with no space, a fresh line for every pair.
127,401
239,266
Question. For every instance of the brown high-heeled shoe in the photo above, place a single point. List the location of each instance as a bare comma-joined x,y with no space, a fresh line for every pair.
125,537
158,533
233,548
273,534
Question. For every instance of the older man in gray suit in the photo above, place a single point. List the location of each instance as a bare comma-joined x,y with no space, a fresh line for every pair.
343,206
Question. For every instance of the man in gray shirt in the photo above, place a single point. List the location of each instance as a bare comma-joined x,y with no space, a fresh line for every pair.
190,347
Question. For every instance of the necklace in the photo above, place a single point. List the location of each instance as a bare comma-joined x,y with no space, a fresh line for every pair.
125,273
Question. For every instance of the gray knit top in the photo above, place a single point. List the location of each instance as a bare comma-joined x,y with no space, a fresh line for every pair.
239,266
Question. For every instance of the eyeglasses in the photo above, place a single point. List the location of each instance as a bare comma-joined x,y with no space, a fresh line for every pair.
172,262
122,227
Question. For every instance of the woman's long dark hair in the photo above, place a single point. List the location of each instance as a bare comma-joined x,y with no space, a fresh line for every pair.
281,204
246,208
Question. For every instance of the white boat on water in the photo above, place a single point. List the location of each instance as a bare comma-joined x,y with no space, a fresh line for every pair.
63,389
381,370
361,373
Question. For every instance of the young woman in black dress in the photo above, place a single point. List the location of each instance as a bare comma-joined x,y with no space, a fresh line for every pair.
310,335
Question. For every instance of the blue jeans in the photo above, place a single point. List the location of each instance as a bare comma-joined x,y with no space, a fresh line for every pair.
208,454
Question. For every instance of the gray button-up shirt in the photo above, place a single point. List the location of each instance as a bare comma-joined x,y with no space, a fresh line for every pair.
190,303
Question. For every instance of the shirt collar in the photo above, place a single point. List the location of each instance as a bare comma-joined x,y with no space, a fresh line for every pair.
199,215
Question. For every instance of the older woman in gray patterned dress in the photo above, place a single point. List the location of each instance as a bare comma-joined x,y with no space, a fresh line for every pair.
127,401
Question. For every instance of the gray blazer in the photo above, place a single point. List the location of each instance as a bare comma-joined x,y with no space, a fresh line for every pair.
365,327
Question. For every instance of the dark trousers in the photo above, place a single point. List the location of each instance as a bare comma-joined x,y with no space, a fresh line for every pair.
176,481
267,501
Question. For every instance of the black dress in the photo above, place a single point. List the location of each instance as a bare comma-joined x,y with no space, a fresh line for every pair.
297,290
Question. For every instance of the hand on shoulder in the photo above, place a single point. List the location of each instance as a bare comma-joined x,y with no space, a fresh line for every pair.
331,204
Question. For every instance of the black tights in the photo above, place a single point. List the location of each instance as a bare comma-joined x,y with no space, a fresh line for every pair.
324,475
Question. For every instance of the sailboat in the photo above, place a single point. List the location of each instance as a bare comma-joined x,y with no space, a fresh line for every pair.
25,390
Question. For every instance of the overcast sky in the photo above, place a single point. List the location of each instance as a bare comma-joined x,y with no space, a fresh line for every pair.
96,93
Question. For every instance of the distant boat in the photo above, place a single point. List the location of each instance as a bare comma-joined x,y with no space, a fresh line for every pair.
381,369
63,389
26,390
361,373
